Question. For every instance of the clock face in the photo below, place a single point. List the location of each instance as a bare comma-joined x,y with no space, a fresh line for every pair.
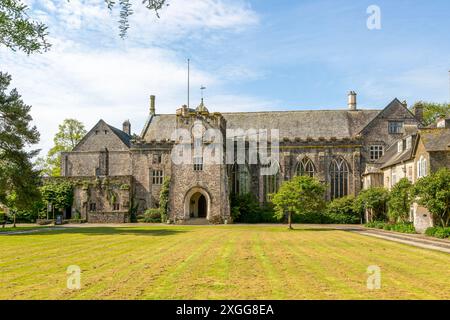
198,129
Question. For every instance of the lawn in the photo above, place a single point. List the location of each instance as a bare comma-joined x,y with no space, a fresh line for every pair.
8,228
216,262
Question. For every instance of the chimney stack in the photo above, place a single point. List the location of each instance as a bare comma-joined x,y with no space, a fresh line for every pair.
126,127
418,112
352,100
152,105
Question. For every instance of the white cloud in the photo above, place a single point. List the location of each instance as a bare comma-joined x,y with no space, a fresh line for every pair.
88,83
424,83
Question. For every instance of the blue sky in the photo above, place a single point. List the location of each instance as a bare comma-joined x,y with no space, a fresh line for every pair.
251,55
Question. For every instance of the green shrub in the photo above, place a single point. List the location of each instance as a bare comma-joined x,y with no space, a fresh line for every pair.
438,232
342,210
152,215
312,217
433,192
374,201
245,208
400,200
404,227
164,199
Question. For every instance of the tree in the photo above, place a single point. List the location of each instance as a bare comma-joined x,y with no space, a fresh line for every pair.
433,192
18,177
18,31
432,111
70,132
301,195
400,201
374,202
126,11
58,194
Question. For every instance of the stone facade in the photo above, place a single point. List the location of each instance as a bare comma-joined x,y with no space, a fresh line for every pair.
332,145
418,154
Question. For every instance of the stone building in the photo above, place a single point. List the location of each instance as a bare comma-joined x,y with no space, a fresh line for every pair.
117,173
417,154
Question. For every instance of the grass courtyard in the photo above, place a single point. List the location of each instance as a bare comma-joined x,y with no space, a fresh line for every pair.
216,262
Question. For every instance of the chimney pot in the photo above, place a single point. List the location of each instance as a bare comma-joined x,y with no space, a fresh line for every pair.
352,100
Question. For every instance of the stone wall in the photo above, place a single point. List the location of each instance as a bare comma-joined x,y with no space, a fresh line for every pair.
422,218
144,159
86,163
108,217
100,137
212,180
104,192
322,153
439,159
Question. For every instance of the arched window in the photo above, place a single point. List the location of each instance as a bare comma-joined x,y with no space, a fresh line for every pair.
240,176
339,178
306,168
271,182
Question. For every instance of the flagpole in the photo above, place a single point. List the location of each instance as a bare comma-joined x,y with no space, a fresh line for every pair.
188,88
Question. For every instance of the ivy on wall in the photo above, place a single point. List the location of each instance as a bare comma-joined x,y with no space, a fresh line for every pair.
164,198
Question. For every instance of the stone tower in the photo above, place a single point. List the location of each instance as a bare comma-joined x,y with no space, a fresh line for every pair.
199,185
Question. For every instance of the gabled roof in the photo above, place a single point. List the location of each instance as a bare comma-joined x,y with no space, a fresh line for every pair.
123,136
393,103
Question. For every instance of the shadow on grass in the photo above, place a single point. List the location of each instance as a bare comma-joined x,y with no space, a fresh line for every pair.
312,229
104,231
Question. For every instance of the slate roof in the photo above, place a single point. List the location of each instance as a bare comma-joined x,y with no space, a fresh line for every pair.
392,157
436,139
302,124
125,137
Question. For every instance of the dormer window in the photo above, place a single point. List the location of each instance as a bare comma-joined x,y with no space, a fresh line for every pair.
408,143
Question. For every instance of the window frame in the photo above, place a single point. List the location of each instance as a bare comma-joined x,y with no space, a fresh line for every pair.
339,172
198,164
395,127
157,177
376,149
306,167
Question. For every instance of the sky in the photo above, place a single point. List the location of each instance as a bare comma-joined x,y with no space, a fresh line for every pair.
250,55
